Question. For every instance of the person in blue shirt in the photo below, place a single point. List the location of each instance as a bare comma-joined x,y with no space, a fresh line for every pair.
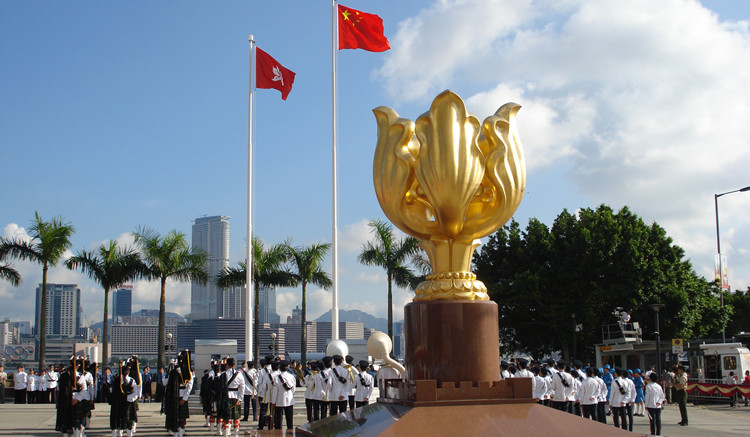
607,378
146,381
638,381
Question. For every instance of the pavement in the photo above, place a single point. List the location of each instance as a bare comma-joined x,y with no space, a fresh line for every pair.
39,421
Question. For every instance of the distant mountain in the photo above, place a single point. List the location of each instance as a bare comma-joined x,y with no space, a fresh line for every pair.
370,321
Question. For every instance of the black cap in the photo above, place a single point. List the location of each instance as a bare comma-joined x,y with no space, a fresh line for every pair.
338,357
284,363
363,364
327,359
274,365
268,358
550,362
561,363
313,365
504,364
522,362
349,359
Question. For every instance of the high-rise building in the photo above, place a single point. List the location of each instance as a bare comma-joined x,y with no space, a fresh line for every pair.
267,298
211,235
122,303
232,303
296,317
63,310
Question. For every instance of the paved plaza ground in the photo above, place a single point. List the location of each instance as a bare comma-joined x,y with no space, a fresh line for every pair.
39,421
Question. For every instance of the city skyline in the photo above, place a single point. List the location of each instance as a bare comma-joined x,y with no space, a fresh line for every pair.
116,116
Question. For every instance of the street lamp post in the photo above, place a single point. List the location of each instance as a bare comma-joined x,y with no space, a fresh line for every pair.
656,307
169,346
718,250
575,352
273,342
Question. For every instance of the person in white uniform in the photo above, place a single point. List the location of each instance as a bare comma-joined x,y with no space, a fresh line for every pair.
363,385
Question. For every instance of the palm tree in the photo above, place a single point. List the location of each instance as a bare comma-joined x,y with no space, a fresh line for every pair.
306,263
268,271
49,241
168,257
112,267
10,274
391,254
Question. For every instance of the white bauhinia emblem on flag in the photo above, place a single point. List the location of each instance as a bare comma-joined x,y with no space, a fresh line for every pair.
277,76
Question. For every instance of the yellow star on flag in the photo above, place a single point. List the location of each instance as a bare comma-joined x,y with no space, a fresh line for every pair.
346,14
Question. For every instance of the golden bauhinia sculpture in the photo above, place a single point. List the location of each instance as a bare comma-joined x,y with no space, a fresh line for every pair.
448,183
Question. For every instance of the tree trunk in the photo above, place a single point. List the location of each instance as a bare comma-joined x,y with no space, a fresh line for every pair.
43,319
303,328
105,355
256,328
390,307
162,331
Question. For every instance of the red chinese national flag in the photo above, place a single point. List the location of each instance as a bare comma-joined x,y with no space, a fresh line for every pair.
270,74
360,30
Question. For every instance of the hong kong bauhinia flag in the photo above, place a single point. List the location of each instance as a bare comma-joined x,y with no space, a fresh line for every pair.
270,74
360,30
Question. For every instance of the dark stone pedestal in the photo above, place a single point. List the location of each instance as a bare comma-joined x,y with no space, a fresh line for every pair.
452,341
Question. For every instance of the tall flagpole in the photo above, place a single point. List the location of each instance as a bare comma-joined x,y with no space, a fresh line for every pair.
335,294
249,254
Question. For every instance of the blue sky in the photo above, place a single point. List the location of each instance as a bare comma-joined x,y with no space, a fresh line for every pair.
116,115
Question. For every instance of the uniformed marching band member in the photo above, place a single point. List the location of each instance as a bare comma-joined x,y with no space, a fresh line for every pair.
363,385
235,383
589,395
179,384
123,412
206,398
504,372
538,385
349,366
576,395
562,384
250,375
601,407
209,407
523,372
284,402
618,398
309,383
322,389
339,393
89,374
631,398
52,380
268,390
80,398
64,419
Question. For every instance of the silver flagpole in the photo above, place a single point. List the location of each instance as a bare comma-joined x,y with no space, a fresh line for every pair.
249,254
335,294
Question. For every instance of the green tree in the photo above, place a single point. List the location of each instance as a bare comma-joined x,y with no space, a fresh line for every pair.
306,265
579,270
268,271
10,274
739,301
110,266
391,254
169,257
49,241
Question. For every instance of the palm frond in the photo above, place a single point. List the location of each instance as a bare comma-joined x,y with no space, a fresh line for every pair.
10,274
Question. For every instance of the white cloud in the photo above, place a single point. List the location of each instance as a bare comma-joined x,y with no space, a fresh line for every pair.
641,101
354,236
371,277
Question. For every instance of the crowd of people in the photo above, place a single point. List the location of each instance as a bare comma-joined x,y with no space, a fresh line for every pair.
595,393
229,395
231,392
